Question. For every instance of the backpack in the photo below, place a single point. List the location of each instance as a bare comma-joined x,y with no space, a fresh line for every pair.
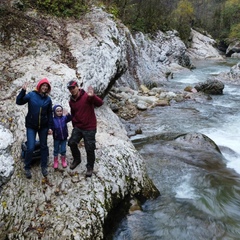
36,152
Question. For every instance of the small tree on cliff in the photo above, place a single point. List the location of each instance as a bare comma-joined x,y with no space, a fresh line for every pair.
182,18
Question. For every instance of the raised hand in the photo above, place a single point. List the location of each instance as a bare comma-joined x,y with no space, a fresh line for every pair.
24,87
65,112
90,91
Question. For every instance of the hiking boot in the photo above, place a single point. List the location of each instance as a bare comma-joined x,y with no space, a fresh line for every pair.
89,172
74,164
44,172
28,173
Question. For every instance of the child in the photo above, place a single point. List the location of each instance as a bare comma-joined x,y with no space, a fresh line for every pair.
60,134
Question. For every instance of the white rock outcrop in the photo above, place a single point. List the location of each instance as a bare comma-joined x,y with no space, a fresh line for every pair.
98,51
66,204
202,47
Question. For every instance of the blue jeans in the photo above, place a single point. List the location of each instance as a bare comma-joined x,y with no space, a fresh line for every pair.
59,147
31,139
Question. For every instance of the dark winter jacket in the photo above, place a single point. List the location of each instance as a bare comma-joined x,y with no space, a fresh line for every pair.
82,110
39,107
60,130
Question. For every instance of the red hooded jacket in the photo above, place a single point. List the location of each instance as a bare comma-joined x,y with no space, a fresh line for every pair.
39,107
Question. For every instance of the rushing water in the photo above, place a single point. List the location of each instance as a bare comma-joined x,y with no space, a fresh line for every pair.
195,203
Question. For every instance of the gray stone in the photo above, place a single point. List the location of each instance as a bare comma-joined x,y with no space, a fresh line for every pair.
210,86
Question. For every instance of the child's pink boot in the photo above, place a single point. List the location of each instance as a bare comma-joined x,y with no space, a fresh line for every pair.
55,164
64,162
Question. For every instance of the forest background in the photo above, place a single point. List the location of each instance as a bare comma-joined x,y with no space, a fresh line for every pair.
219,18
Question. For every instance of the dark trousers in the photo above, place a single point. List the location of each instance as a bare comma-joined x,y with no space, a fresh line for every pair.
89,143
31,139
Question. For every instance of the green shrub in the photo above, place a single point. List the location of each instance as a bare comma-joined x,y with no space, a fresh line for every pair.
235,32
63,8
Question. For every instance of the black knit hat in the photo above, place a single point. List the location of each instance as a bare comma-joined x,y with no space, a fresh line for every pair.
72,83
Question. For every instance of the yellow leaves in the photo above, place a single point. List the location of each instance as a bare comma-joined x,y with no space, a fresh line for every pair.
235,32
40,230
185,9
45,181
4,204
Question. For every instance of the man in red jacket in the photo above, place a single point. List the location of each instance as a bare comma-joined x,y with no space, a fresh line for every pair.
84,123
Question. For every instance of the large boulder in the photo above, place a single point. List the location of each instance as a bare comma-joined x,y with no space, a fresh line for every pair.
6,160
214,87
65,205
202,47
233,49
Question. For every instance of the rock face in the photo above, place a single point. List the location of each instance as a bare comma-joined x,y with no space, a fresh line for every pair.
202,47
6,160
233,76
99,52
233,50
68,205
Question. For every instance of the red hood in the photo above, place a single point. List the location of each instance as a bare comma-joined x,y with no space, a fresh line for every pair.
44,80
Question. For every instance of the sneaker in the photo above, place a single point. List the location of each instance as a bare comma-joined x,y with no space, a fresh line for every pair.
74,164
28,173
44,172
89,172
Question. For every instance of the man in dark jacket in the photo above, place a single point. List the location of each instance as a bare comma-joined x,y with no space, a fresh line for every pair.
84,122
38,120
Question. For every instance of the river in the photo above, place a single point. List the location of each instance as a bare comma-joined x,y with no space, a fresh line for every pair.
195,202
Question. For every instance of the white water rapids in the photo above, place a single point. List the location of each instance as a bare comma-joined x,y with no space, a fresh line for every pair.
195,202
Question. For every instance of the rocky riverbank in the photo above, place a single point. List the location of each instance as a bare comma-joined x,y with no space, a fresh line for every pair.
99,52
